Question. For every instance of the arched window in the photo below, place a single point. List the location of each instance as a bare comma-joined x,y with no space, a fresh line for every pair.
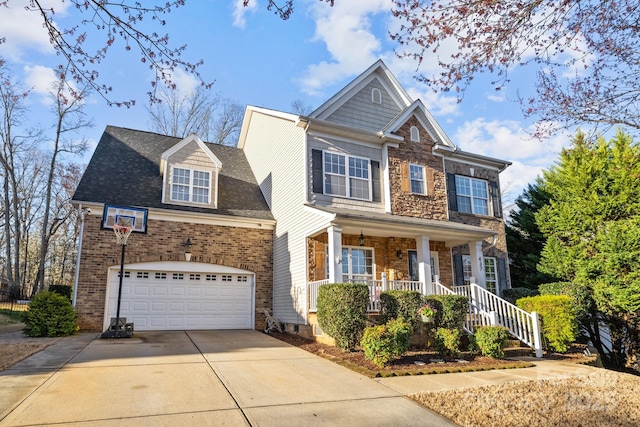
415,134
376,96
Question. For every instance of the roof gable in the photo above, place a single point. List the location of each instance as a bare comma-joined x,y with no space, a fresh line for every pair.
422,114
354,106
183,145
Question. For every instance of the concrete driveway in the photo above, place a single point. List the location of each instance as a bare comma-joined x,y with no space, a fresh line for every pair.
199,378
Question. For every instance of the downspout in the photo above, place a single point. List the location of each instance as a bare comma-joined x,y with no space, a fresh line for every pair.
386,178
77,275
495,241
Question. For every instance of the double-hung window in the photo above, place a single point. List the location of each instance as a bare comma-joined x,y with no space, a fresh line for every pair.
416,173
472,195
189,185
347,176
357,264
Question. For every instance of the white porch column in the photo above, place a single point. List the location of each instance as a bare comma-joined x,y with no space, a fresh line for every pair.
335,253
424,264
477,263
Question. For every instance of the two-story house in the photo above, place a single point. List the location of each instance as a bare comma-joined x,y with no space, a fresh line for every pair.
366,188
369,188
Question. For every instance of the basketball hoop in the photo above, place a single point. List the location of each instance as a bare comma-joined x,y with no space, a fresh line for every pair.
122,233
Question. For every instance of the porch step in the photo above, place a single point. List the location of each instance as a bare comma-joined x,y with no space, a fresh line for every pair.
514,343
518,351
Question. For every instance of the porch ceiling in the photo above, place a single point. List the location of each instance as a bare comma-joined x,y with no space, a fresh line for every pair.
380,224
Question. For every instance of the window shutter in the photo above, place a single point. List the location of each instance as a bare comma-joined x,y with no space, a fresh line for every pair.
316,168
430,177
405,184
451,194
502,273
375,181
495,199
459,271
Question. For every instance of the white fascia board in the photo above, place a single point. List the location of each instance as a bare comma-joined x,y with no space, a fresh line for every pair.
473,159
210,219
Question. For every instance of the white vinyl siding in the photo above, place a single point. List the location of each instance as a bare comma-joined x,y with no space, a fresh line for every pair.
472,195
275,150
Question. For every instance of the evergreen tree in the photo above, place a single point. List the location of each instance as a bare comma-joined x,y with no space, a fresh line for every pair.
592,227
525,240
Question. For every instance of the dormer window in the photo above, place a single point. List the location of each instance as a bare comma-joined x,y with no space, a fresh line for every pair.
376,96
414,134
189,185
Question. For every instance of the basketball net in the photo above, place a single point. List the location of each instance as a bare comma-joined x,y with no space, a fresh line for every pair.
122,233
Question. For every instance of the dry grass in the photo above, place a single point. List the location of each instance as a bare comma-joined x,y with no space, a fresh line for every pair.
605,398
12,353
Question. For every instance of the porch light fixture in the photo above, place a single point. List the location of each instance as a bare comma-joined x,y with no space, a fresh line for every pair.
399,253
361,239
187,250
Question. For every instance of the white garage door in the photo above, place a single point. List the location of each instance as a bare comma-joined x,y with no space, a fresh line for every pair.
168,299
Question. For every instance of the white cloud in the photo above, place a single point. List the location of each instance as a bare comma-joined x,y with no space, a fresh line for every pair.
507,140
346,31
40,80
240,11
23,29
185,82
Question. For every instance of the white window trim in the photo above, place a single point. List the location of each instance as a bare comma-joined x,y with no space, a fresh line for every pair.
347,177
414,134
487,280
191,185
472,197
349,264
423,181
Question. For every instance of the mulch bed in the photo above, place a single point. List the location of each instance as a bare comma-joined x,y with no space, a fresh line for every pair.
414,362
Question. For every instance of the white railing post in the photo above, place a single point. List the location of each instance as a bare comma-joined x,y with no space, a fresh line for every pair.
537,338
384,281
493,318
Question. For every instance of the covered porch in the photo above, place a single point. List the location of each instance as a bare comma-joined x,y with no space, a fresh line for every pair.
388,252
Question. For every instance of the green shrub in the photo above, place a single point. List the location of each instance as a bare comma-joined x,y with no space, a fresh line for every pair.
63,290
491,340
50,315
454,310
448,341
401,304
559,323
579,294
342,312
384,343
514,294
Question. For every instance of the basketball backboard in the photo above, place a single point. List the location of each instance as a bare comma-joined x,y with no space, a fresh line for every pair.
127,216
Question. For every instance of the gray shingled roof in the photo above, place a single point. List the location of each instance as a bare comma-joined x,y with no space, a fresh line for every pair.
125,171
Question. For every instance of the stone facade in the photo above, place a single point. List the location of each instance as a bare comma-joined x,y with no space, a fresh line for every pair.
433,205
245,248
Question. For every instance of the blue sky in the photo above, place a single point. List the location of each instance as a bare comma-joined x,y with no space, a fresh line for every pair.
257,59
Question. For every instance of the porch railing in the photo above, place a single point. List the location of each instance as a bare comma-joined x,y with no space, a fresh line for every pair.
375,288
486,308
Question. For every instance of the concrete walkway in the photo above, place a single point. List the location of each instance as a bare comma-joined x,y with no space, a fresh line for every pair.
197,378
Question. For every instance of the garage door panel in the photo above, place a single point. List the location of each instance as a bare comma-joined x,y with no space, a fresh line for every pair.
173,300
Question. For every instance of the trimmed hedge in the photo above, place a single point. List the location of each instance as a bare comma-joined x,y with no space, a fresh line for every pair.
514,294
448,341
579,294
401,304
559,323
491,340
50,315
454,310
383,343
342,312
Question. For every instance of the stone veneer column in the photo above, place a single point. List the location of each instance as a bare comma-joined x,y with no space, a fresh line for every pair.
335,253
424,264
